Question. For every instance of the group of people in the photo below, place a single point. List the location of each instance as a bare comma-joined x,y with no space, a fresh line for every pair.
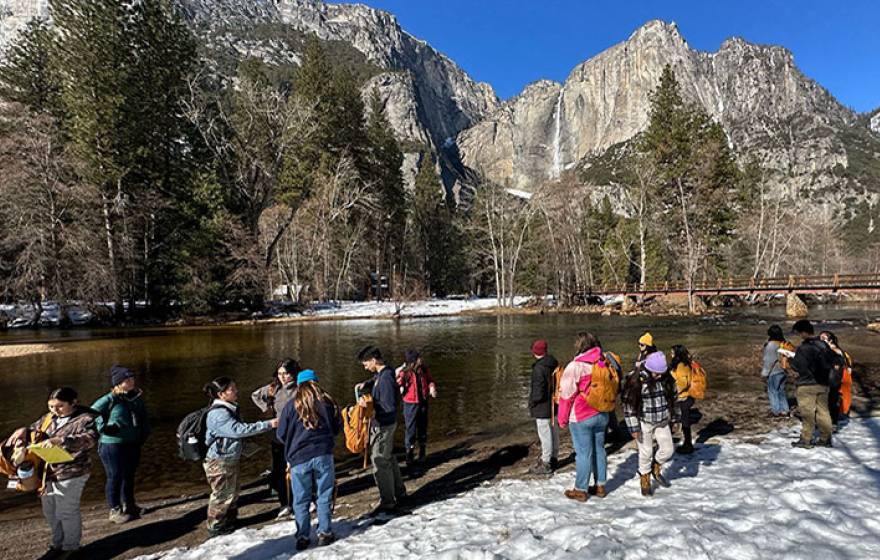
655,398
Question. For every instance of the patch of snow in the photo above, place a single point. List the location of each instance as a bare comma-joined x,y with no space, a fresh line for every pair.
729,500
520,194
875,122
424,308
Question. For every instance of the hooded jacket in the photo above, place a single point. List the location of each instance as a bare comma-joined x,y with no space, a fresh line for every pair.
576,379
813,362
543,386
224,431
122,418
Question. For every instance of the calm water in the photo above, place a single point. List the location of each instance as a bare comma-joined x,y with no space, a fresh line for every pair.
481,365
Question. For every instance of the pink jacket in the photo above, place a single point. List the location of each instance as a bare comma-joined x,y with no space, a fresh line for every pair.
576,380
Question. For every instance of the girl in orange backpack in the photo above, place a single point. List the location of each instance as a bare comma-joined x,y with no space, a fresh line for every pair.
680,367
586,424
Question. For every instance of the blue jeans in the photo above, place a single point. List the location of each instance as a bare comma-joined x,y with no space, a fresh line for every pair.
588,438
324,471
120,463
776,392
416,417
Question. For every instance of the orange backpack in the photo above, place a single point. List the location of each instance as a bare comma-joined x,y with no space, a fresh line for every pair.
785,361
604,384
556,378
697,388
356,425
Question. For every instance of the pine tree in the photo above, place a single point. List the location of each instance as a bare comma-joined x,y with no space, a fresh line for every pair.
26,73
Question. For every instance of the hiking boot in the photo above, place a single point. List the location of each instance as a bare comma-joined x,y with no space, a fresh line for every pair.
685,449
325,538
597,490
658,475
118,516
802,444
283,513
645,482
302,543
577,495
541,468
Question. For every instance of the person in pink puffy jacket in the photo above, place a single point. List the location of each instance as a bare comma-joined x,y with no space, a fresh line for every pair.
586,424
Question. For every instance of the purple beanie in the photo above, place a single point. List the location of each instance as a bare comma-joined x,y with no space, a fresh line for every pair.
656,362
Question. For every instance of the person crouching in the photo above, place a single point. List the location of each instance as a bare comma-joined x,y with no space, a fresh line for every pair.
649,409
308,426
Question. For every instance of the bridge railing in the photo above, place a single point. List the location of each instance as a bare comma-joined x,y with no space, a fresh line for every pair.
746,284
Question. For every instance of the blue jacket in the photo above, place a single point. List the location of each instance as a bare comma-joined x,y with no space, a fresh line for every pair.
385,393
302,444
225,430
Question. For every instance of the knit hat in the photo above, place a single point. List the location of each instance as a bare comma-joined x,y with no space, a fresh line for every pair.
656,362
118,374
539,348
647,339
306,375
410,356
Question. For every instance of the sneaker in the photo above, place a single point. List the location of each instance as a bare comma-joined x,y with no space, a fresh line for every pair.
577,495
302,543
283,513
541,468
802,444
325,538
118,516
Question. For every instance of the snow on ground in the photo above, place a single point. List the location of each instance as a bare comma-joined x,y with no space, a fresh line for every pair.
427,308
730,500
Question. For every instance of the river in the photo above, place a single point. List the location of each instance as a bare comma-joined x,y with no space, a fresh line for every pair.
481,364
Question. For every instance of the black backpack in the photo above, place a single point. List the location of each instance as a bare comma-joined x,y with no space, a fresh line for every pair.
191,444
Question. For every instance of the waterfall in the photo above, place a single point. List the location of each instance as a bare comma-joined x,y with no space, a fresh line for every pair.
556,171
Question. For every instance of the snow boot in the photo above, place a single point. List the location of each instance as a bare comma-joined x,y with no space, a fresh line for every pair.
577,495
687,447
658,475
645,480
541,468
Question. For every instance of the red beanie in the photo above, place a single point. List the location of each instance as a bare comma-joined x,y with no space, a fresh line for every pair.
539,348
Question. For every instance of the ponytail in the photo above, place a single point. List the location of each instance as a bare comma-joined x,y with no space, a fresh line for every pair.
217,386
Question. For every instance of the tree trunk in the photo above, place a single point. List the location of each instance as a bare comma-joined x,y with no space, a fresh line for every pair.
112,256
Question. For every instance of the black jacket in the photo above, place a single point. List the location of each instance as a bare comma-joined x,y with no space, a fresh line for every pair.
543,385
813,362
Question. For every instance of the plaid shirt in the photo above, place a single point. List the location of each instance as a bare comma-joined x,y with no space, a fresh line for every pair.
655,408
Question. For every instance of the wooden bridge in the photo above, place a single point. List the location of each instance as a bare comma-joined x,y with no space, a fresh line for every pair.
745,286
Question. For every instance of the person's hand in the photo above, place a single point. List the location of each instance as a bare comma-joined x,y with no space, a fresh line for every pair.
433,391
272,390
18,438
273,423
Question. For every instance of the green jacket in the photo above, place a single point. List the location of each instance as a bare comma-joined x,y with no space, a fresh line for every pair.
122,418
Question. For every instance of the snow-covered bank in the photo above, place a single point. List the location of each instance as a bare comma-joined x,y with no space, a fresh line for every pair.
729,500
423,308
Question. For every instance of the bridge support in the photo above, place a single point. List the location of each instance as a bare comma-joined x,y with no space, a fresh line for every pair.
795,306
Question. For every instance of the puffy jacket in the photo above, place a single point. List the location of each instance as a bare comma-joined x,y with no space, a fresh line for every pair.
813,362
277,402
543,385
225,430
414,392
682,376
576,379
126,418
302,444
78,436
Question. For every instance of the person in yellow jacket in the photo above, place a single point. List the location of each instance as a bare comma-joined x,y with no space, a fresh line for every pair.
680,366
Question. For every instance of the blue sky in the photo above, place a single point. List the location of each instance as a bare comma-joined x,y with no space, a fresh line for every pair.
510,43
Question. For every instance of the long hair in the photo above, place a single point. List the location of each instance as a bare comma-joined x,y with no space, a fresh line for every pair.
584,341
307,400
832,338
774,333
289,364
680,355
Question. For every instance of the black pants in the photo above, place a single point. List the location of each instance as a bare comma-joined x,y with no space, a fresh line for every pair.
684,407
416,417
834,403
278,478
120,463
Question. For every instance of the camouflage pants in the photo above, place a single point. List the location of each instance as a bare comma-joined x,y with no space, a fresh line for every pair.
225,486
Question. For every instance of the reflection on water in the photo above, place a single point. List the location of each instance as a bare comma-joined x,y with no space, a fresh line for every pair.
481,365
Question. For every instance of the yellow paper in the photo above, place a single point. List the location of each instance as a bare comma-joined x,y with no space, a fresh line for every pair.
51,455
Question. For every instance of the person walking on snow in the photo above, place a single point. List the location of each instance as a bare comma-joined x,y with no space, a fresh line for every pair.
773,372
813,364
308,426
272,398
416,385
649,409
124,427
839,400
680,366
543,386
586,424
224,431
386,393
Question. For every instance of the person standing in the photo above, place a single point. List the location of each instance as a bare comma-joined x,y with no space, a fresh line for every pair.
774,372
646,348
272,398
124,427
385,393
840,394
586,424
70,427
224,431
681,368
813,364
649,409
543,386
308,426
416,385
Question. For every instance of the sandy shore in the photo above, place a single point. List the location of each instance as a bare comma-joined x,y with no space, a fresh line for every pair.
16,350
